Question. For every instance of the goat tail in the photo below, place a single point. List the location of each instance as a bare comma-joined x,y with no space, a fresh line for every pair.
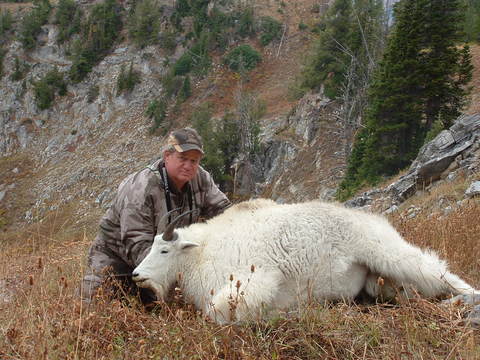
408,266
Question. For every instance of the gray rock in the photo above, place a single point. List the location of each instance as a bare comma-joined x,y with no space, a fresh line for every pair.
437,156
473,189
391,209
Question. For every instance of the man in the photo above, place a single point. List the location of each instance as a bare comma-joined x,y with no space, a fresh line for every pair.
145,203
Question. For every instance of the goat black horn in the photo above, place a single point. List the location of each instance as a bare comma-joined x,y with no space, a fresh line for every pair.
168,233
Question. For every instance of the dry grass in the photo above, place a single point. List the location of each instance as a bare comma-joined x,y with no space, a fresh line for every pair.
45,320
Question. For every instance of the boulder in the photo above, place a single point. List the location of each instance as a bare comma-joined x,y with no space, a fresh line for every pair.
437,156
473,189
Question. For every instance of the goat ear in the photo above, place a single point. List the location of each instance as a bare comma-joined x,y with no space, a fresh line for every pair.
185,244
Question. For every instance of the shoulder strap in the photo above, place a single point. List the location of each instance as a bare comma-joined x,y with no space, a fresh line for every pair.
166,188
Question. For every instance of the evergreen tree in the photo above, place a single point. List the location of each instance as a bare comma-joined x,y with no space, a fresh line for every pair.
68,18
144,23
6,21
99,33
127,79
46,88
3,52
329,61
420,79
186,89
32,23
349,41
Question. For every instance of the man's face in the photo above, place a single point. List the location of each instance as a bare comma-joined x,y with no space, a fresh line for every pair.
182,166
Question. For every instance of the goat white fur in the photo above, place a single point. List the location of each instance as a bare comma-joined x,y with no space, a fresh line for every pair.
304,251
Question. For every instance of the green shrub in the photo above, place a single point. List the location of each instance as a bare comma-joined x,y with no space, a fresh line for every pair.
270,30
127,79
99,33
31,24
243,57
302,26
144,23
6,22
167,41
3,52
171,84
46,88
183,65
21,68
246,23
186,89
68,18
200,57
226,138
157,111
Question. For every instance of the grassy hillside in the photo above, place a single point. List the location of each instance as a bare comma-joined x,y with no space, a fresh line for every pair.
41,317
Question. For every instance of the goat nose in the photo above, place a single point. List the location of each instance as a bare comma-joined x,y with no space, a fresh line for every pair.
134,275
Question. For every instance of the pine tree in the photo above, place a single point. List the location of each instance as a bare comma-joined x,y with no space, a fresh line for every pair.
144,23
329,60
420,79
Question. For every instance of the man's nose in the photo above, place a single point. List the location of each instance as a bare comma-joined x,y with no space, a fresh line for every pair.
189,165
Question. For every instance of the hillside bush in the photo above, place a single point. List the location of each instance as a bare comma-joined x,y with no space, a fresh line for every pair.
157,112
196,59
270,30
243,57
171,84
144,23
235,135
127,79
213,133
21,68
183,65
46,88
99,34
246,23
3,52
186,89
32,22
6,22
68,18
167,40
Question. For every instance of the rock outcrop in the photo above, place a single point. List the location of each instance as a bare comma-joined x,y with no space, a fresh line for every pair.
454,151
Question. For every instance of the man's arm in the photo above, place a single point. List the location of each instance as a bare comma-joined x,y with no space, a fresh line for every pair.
137,232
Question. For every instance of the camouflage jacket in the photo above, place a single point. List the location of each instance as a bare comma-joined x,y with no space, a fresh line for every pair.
137,211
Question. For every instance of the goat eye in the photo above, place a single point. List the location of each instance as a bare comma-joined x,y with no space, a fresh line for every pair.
164,252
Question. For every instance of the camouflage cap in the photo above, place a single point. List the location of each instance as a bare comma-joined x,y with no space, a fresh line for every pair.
185,139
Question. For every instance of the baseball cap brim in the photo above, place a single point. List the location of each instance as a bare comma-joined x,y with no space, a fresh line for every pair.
187,147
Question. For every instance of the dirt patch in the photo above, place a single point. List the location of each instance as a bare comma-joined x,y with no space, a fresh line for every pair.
15,7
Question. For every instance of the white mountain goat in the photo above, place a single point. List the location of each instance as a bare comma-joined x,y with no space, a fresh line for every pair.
259,255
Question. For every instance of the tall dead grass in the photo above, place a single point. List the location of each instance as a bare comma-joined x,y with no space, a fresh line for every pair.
45,320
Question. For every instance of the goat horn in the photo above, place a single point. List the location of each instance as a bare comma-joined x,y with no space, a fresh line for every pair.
168,233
